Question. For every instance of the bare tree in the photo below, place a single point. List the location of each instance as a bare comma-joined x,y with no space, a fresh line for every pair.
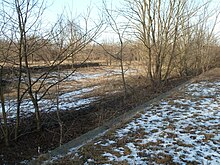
156,25
65,40
4,114
113,25
160,26
197,43
25,11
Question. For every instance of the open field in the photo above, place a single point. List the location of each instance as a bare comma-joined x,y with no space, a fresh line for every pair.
87,98
103,84
83,87
182,128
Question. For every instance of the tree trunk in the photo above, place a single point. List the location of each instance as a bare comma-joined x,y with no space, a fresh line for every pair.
5,124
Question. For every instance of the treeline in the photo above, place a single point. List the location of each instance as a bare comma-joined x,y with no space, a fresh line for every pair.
169,38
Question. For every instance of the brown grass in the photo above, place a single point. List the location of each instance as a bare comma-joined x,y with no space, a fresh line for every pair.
79,122
211,75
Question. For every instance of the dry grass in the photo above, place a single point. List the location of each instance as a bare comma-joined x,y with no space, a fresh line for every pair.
210,75
179,135
109,81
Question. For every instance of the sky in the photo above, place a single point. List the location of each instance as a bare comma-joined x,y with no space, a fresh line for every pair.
77,7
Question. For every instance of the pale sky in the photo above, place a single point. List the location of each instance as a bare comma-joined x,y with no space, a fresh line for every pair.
77,7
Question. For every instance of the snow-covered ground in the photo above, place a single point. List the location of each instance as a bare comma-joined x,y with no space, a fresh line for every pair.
183,128
70,99
79,75
67,101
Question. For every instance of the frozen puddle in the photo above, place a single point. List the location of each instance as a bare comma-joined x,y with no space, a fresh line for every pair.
184,128
67,101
